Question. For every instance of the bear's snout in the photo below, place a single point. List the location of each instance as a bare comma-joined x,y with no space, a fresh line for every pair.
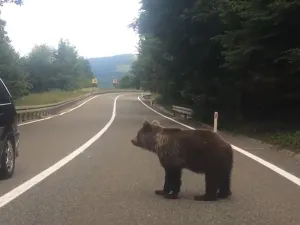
134,141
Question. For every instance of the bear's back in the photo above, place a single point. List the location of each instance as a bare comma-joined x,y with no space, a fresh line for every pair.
201,149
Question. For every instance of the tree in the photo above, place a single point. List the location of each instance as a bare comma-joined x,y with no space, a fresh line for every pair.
262,49
10,63
85,74
39,65
129,81
17,2
43,69
240,58
70,70
60,68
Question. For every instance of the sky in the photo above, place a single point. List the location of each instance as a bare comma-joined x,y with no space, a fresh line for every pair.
96,27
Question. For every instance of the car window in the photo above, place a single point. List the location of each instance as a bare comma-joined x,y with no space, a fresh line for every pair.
4,95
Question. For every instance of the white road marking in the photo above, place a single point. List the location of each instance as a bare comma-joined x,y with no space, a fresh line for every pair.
70,110
11,195
271,166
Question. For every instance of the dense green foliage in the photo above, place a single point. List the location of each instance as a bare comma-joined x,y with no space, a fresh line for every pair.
240,58
128,81
112,67
43,69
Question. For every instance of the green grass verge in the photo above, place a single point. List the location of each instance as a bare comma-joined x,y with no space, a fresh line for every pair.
50,97
271,133
288,139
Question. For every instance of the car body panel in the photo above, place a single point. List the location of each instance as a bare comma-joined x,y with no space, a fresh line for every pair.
8,118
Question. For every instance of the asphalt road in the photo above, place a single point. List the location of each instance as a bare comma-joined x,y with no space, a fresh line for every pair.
112,182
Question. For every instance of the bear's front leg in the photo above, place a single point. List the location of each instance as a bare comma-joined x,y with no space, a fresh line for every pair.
166,189
173,182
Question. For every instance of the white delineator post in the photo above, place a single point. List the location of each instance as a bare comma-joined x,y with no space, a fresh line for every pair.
216,122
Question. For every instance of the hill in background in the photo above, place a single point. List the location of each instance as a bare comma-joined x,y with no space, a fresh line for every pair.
112,67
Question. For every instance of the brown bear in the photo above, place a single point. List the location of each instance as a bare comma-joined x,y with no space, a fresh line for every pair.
200,151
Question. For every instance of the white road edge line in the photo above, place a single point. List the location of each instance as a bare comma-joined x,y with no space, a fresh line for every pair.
70,110
11,195
271,166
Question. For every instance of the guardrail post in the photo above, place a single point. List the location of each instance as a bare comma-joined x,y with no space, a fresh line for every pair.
216,115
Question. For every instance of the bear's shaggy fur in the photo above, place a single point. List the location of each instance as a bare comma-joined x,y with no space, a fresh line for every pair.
200,151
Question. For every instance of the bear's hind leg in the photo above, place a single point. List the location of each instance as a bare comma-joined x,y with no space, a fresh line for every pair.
212,181
174,178
224,188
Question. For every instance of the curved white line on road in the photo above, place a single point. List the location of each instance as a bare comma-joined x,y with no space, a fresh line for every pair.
8,197
271,166
70,110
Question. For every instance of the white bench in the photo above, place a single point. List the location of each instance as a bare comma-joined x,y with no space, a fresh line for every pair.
146,96
183,111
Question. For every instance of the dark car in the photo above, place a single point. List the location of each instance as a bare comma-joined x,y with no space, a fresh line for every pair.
10,135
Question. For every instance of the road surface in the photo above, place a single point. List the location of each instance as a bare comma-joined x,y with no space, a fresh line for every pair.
111,182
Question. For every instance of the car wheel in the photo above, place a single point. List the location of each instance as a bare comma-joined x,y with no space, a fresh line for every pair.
7,160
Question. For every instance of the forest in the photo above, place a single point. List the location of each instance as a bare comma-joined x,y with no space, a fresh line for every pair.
240,58
44,68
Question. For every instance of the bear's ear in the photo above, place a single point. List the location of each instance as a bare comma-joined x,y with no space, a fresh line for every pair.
155,122
146,122
146,125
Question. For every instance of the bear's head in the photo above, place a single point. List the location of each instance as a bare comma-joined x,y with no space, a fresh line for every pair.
145,137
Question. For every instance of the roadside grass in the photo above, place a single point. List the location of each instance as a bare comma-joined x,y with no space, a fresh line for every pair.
275,133
288,139
50,97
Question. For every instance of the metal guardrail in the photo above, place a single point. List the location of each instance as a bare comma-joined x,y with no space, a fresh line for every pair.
33,112
186,112
182,110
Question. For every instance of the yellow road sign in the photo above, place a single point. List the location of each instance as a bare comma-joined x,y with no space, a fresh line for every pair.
94,81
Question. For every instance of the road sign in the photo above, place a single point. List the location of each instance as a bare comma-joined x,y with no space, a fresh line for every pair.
94,81
216,115
115,83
